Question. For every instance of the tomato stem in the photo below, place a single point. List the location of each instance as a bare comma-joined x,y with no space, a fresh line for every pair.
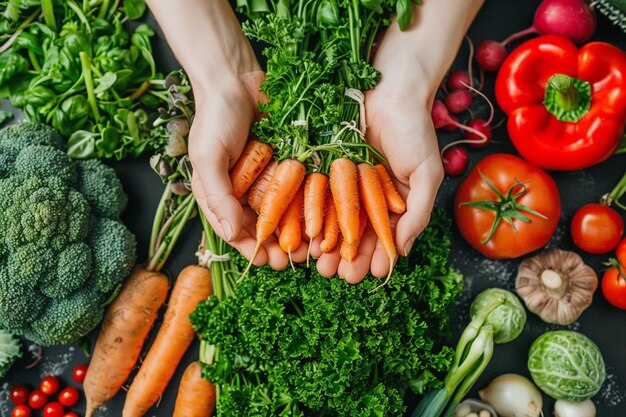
617,193
506,207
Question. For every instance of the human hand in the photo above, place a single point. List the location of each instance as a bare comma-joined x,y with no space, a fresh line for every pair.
224,114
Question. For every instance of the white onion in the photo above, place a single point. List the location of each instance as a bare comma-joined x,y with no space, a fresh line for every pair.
513,395
564,408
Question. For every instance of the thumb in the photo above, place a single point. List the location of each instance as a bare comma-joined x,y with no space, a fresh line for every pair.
423,186
213,190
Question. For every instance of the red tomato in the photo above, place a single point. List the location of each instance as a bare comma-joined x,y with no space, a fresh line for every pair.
21,411
49,385
614,288
18,394
597,228
70,414
53,409
520,185
69,396
79,373
37,399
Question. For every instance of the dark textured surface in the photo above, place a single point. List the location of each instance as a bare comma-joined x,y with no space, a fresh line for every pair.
601,322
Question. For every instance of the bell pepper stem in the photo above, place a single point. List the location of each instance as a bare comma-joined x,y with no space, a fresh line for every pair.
567,98
566,94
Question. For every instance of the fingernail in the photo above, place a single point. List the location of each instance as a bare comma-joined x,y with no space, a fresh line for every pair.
408,246
227,229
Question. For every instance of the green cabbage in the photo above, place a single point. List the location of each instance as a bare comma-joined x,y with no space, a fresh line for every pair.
566,365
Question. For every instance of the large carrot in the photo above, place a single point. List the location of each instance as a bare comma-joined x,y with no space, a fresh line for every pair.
373,199
290,225
255,195
192,285
331,228
281,190
395,202
196,395
254,158
124,329
348,251
343,184
315,187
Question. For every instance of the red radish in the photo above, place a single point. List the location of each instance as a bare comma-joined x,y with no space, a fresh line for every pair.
455,161
573,19
474,140
457,80
458,100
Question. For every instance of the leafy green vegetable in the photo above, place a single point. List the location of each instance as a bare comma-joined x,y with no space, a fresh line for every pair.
9,351
293,342
76,67
507,320
63,248
490,311
566,365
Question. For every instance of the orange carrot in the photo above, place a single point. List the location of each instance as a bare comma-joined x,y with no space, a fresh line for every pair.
252,161
255,195
331,228
193,285
124,329
196,395
314,199
343,184
395,202
290,224
374,202
348,251
281,190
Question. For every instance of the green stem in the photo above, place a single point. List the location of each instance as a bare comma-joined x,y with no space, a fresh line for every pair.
81,15
91,95
48,14
182,215
566,94
622,147
474,354
617,193
33,61
157,223
104,9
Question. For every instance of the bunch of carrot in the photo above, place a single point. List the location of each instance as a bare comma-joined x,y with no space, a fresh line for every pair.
299,206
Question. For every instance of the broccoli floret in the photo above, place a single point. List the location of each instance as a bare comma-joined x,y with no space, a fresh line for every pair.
9,351
61,256
111,243
14,138
67,319
46,161
102,188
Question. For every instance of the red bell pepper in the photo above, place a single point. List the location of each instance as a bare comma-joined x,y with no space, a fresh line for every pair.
566,107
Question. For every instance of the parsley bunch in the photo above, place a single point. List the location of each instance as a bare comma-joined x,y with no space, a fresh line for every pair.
293,343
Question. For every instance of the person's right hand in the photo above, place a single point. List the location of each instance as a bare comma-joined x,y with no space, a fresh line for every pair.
224,114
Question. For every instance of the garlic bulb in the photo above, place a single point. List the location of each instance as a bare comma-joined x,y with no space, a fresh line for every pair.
556,285
513,395
564,408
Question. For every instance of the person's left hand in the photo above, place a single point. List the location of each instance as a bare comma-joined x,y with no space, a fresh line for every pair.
401,128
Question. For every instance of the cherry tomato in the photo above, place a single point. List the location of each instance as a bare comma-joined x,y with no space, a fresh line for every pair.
521,186
79,373
70,414
37,399
21,411
614,288
596,228
53,409
18,394
69,396
49,385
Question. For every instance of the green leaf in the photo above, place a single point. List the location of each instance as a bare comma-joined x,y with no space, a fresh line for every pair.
82,145
5,116
141,39
105,82
108,142
134,8
404,13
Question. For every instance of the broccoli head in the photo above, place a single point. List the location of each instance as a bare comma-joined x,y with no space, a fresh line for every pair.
102,188
63,248
14,138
